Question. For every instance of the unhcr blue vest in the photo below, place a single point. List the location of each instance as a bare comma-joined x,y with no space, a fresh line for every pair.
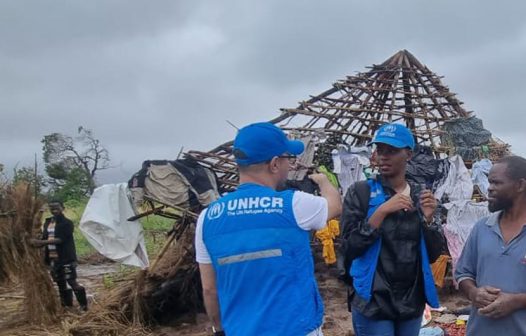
263,264
363,268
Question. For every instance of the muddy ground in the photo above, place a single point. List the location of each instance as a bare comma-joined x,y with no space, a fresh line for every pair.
337,319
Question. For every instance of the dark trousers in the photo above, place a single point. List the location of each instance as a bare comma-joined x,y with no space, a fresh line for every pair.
64,275
364,326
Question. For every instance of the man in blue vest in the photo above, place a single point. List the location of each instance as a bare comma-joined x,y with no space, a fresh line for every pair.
392,238
252,245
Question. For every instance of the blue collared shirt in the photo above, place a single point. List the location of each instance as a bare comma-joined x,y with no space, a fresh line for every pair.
489,261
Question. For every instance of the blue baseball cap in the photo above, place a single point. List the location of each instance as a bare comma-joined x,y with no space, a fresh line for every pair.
395,135
261,142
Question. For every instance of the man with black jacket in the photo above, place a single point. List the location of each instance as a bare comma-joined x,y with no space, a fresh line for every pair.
391,241
60,255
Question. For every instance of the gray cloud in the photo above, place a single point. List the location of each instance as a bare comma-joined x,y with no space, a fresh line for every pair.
150,77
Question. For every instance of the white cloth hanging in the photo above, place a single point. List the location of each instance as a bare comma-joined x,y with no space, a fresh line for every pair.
461,217
349,165
479,175
458,185
105,225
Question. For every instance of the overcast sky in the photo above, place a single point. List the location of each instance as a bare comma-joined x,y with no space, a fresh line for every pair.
149,77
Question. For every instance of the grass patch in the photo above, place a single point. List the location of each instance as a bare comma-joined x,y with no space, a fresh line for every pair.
74,210
111,280
155,229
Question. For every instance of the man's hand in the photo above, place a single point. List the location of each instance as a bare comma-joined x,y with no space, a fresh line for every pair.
394,204
504,305
483,296
36,242
428,204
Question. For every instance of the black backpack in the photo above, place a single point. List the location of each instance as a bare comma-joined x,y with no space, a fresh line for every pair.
344,260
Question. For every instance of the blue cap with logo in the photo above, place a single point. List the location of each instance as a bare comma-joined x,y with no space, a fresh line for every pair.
395,135
260,142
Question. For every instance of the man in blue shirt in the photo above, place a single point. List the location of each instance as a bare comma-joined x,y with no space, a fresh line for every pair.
253,245
492,268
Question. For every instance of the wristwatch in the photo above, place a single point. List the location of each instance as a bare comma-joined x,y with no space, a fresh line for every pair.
218,332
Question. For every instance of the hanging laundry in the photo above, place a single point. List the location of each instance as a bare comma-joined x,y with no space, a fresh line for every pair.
461,217
479,175
326,236
457,185
349,165
439,268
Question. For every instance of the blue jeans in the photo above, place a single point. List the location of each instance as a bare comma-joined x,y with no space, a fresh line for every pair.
364,326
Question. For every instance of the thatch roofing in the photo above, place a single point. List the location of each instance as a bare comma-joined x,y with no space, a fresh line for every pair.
401,89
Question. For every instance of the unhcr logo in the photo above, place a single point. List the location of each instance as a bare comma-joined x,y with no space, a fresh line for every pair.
254,205
216,210
390,128
388,131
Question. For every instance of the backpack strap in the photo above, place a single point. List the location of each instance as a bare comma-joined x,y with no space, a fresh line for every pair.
363,191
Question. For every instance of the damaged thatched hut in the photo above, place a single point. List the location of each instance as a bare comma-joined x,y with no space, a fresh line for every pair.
335,126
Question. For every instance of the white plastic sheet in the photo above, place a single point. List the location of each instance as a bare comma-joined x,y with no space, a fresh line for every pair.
479,175
461,217
106,227
458,185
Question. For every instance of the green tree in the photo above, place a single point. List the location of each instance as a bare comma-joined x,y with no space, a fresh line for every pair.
28,175
73,162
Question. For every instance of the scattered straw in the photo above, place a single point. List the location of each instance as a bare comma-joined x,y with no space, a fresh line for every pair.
149,297
169,290
20,261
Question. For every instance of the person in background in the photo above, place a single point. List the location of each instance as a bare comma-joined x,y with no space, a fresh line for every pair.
60,255
253,245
